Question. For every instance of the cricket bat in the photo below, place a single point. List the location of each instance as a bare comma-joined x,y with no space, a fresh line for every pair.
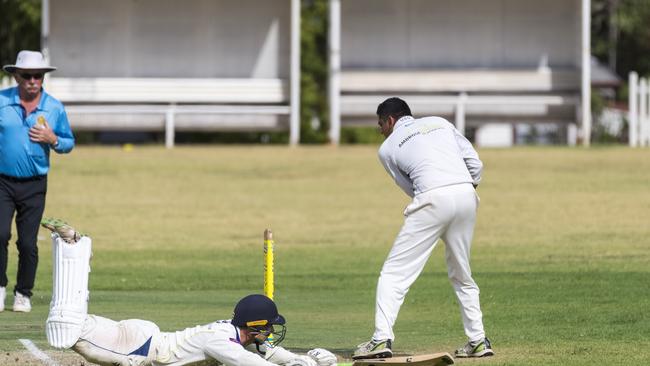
433,359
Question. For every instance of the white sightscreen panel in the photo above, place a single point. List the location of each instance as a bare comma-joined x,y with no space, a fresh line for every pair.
87,37
374,33
456,34
171,38
460,33
538,30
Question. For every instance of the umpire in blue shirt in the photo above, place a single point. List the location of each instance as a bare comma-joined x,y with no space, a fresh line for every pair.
31,124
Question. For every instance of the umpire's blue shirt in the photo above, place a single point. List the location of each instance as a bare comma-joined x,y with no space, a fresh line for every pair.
19,156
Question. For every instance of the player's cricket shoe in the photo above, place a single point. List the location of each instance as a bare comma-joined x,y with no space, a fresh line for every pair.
22,303
481,348
62,229
3,295
373,349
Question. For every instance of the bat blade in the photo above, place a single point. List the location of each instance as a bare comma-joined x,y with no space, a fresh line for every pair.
433,359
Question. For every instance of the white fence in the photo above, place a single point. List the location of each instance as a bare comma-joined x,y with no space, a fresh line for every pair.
639,106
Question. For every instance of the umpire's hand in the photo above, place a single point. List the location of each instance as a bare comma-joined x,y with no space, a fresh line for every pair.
43,133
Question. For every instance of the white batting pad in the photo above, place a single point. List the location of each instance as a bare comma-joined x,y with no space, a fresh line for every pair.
69,305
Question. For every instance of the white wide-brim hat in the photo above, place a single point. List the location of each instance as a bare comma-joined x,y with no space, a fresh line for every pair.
29,60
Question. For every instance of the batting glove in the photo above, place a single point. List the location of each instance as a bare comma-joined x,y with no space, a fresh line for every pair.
302,361
62,229
278,355
323,357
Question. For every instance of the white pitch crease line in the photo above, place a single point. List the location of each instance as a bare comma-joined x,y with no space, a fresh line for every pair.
31,347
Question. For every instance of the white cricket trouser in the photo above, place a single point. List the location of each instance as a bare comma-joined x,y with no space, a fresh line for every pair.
124,343
446,213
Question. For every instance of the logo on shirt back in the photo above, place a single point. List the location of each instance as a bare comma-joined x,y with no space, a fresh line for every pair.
407,138
423,129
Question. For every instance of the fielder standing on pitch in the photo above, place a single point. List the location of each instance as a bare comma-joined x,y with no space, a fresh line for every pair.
31,124
438,167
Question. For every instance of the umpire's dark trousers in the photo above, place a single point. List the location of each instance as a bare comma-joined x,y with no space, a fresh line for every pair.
25,197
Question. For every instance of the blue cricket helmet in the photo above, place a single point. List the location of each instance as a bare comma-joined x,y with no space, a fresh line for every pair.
256,310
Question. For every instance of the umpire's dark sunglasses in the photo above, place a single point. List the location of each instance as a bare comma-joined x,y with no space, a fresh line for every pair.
28,76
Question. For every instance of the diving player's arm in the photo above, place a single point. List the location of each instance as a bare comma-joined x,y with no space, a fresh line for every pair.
231,353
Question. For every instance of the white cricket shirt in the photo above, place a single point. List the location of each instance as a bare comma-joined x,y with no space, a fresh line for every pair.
427,153
218,341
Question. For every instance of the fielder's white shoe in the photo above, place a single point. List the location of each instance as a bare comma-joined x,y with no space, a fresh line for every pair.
3,295
482,348
22,303
373,349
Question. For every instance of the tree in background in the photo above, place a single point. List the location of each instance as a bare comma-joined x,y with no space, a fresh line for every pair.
20,28
314,112
633,48
621,36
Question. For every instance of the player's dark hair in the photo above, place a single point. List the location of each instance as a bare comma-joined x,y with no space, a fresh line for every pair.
393,107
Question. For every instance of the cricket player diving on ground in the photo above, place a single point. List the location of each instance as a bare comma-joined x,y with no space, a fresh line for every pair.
438,167
250,338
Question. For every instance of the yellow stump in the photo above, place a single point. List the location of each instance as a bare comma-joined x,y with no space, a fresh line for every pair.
268,264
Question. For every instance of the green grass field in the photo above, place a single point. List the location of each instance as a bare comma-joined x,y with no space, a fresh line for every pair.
561,250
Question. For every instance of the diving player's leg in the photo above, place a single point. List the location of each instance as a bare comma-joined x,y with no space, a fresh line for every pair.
107,342
69,305
97,339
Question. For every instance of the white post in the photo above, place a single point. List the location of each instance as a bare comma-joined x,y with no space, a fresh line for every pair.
571,134
45,33
294,122
586,72
460,112
170,126
45,29
335,71
645,125
633,114
643,109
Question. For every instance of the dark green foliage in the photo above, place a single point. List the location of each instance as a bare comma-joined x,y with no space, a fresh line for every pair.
20,27
314,72
634,44
361,135
621,26
233,137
